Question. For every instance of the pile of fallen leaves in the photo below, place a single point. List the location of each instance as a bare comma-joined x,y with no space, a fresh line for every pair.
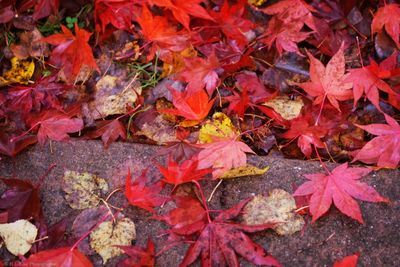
209,81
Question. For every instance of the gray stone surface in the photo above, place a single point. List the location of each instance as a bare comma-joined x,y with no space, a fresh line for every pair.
319,244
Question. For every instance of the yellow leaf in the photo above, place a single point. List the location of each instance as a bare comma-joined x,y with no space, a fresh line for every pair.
219,128
18,236
256,3
248,170
177,62
288,109
21,71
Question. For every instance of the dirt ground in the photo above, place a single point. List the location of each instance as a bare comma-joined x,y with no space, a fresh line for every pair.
319,244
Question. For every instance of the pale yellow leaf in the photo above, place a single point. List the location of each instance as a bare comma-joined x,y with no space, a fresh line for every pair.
18,236
248,170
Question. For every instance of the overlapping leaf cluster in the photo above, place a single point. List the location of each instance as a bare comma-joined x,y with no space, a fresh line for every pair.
253,63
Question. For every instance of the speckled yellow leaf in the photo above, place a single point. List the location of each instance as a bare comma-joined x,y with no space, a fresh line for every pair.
18,236
256,3
288,109
248,170
279,207
107,236
83,189
220,127
21,71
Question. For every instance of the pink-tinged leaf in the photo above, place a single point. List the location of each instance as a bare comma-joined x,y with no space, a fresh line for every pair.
142,196
328,82
118,13
223,156
63,257
55,125
349,261
384,150
45,8
341,186
65,55
388,17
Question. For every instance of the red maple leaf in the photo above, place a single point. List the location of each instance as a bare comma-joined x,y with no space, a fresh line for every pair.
308,134
388,16
65,55
55,125
187,171
142,196
138,256
158,31
44,8
231,22
367,80
220,239
181,9
192,106
223,155
11,145
200,73
384,150
119,13
180,151
109,130
348,261
65,257
341,185
328,82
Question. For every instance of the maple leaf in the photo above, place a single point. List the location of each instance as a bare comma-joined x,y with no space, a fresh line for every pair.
388,16
328,82
138,256
368,79
348,261
158,31
109,130
307,134
142,196
66,55
44,8
181,9
55,125
192,106
341,185
200,73
20,200
180,151
220,239
12,145
119,13
384,150
65,257
187,171
223,155
231,22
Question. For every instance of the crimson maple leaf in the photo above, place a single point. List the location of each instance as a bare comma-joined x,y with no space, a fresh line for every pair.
192,106
388,16
341,185
11,145
109,130
348,261
65,257
72,52
55,125
163,36
231,22
367,80
142,196
308,134
328,82
119,13
223,155
220,239
200,73
138,256
181,9
187,171
384,150
44,8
